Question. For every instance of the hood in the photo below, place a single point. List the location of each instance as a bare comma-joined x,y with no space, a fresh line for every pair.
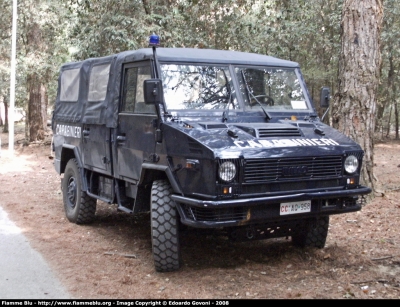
255,140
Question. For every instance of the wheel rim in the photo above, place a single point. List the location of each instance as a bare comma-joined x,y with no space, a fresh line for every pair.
71,192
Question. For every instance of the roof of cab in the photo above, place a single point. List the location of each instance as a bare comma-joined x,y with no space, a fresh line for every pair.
193,55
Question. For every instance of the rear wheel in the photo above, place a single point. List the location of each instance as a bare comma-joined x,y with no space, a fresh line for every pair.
79,207
313,234
164,228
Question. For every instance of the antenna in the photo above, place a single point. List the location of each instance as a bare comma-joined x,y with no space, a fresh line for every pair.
154,42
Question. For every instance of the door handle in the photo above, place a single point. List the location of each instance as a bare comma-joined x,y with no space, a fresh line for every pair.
121,138
86,133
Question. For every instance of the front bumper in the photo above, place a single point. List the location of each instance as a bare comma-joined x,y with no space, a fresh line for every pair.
245,211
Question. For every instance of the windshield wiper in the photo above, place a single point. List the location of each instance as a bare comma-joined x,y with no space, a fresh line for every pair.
267,115
225,114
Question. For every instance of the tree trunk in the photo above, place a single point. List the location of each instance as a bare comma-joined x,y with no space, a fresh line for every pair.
389,97
34,84
36,129
44,104
389,121
1,113
5,128
396,116
355,102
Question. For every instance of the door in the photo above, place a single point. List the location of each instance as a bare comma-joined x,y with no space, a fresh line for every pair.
95,134
135,140
96,148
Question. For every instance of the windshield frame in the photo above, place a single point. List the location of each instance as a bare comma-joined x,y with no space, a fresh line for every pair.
240,107
229,95
304,102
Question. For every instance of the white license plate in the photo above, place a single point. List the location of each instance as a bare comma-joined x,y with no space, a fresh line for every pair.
295,207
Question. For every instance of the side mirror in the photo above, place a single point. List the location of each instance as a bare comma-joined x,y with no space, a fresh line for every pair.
325,96
153,90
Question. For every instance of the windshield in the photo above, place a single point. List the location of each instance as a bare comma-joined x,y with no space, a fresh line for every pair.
276,89
200,87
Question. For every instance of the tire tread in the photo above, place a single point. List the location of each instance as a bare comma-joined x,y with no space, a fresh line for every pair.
164,225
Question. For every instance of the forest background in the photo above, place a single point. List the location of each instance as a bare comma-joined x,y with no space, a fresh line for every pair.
52,32
361,259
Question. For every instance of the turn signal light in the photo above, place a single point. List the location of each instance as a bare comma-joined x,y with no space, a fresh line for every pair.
351,180
227,190
192,164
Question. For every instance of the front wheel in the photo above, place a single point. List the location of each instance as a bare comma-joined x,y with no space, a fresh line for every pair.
79,207
164,228
313,234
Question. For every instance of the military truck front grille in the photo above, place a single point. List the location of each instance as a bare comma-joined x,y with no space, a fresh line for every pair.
281,132
287,186
214,215
268,170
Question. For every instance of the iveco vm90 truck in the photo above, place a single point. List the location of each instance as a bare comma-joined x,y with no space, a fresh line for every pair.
201,138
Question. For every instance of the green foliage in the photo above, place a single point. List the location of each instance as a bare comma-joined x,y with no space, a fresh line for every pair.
304,31
390,67
41,36
5,45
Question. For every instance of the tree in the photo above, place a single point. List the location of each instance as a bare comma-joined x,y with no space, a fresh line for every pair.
304,31
359,66
41,25
388,101
5,47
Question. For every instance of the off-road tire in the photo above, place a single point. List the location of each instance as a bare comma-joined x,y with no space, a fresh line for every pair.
313,234
164,228
79,207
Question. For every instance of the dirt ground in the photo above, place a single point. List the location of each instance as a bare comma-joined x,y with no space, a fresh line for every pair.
111,258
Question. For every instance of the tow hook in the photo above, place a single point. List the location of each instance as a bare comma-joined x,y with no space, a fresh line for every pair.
250,233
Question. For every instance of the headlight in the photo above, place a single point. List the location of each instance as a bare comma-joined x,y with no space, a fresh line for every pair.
351,164
227,171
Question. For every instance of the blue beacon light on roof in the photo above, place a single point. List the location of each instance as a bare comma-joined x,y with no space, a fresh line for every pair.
154,40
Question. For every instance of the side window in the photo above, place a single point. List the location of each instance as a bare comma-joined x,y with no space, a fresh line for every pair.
69,89
133,97
98,82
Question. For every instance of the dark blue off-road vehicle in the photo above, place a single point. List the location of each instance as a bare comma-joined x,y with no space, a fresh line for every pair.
202,138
